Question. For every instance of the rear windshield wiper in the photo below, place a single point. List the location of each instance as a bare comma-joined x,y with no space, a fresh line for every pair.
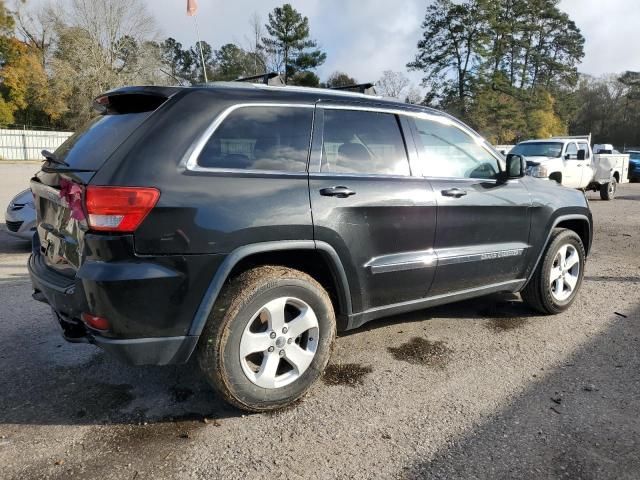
52,157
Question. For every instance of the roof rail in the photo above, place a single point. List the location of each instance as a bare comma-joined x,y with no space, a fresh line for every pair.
271,78
364,88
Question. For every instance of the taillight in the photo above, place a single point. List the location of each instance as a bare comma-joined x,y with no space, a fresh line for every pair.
95,322
119,209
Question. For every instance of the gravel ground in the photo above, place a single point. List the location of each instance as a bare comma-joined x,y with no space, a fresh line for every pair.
479,389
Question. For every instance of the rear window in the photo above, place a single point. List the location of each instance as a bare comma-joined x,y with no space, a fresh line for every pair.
90,146
261,138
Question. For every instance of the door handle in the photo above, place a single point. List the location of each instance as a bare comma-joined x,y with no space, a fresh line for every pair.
339,191
454,192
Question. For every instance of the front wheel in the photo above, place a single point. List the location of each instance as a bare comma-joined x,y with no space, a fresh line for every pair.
268,339
558,277
608,190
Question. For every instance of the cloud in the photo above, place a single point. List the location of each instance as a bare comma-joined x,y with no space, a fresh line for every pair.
611,32
366,38
361,38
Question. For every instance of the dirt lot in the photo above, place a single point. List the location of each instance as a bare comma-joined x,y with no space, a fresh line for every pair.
481,389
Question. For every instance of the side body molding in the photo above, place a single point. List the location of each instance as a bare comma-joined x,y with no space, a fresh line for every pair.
210,296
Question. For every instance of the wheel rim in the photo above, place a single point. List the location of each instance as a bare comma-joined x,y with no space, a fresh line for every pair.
565,273
612,187
279,342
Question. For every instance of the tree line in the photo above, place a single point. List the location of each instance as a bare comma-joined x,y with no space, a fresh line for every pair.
510,69
55,58
507,67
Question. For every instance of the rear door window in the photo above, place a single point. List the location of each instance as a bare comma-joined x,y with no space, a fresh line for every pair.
90,146
261,138
363,142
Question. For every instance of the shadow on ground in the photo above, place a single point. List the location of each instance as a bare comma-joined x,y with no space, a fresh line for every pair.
11,244
579,421
55,383
503,311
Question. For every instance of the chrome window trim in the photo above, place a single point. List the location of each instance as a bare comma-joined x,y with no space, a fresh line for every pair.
190,162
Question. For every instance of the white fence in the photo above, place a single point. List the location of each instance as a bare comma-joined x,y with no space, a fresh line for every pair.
27,144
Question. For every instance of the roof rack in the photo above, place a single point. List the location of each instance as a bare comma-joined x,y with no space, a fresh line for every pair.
364,88
573,137
272,78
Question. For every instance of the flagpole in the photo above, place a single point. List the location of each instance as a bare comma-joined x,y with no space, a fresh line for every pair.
204,68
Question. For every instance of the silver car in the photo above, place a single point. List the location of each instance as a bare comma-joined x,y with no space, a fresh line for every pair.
21,216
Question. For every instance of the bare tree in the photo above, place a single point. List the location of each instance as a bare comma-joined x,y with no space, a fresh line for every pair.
99,46
36,27
414,95
254,44
392,84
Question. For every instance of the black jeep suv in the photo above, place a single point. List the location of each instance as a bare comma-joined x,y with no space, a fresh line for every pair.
244,224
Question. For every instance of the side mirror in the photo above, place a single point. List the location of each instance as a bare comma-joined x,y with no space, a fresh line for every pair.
516,166
582,154
567,156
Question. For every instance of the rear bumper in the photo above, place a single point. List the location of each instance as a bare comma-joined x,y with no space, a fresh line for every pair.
67,303
150,303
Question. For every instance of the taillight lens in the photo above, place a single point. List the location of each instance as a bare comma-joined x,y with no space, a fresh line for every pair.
119,209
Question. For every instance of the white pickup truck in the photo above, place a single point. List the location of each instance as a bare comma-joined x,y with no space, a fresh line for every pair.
571,162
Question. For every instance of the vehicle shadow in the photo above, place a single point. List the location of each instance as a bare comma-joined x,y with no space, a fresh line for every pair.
103,391
503,311
10,244
579,420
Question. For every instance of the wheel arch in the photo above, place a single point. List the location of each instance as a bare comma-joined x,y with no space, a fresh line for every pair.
557,176
317,259
580,224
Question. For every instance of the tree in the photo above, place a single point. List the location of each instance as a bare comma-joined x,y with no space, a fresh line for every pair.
99,46
450,49
256,51
195,59
289,42
340,79
414,95
305,79
392,84
232,62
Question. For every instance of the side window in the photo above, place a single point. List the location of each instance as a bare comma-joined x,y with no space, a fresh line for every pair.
449,152
572,151
363,142
585,147
261,138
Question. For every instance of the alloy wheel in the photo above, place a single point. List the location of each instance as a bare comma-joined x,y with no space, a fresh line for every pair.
279,342
565,273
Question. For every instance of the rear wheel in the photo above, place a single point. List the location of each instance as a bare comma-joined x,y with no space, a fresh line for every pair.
268,338
608,190
558,277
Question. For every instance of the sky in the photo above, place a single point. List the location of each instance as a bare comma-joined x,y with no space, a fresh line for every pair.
364,38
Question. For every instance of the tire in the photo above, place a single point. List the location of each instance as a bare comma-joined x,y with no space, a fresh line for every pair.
608,190
241,321
543,294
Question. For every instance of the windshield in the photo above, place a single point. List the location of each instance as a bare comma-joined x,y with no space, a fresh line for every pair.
538,149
